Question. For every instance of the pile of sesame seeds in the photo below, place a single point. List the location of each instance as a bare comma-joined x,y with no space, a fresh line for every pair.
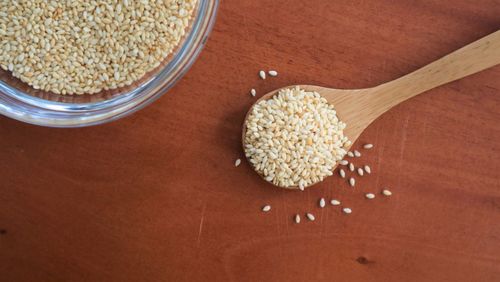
76,47
294,139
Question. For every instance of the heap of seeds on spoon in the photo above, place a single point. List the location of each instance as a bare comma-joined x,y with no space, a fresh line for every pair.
295,140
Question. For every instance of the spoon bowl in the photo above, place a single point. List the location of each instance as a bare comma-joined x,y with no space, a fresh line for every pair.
360,107
342,100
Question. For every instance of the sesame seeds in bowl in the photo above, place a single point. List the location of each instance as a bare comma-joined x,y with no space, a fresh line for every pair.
125,86
295,139
86,47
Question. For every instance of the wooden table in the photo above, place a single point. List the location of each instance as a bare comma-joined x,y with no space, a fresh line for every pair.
156,197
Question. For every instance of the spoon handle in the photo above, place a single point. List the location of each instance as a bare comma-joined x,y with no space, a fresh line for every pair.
477,56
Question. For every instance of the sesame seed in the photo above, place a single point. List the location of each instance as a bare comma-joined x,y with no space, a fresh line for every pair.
350,154
266,208
360,171
310,216
347,210
357,153
352,181
253,92
273,73
370,196
237,162
335,202
368,146
297,218
351,167
368,169
386,192
342,173
343,162
262,74
322,203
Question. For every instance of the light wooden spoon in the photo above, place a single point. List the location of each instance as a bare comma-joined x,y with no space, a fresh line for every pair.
360,107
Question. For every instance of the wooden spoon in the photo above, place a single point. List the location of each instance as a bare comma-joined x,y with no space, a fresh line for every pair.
360,107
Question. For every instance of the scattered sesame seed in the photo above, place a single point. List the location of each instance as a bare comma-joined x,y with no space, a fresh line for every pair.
386,192
357,153
266,208
347,210
350,154
368,146
351,167
352,181
253,92
342,173
322,203
310,216
368,169
237,162
262,74
347,143
335,202
360,171
370,196
297,218
343,162
273,73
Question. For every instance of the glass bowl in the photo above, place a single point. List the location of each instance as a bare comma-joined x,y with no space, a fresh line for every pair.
19,101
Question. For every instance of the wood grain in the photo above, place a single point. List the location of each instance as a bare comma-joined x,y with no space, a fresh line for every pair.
155,196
